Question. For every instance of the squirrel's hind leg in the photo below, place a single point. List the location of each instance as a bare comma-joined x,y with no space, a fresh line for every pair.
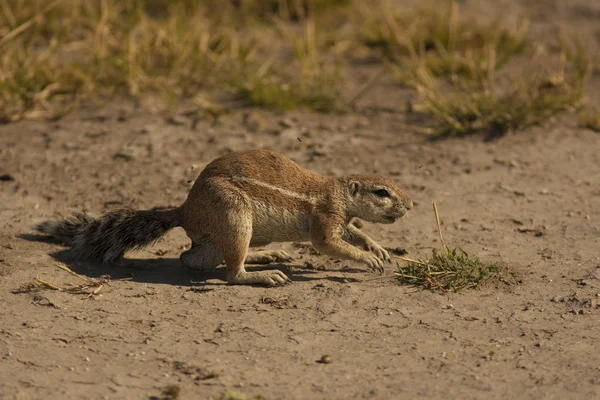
203,256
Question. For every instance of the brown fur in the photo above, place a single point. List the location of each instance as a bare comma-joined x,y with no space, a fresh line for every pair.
249,199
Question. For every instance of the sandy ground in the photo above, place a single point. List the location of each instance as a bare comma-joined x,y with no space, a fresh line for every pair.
530,199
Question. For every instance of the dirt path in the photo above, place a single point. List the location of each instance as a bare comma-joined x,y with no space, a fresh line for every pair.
385,340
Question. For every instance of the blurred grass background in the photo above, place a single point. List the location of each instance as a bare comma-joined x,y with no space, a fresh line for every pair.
284,55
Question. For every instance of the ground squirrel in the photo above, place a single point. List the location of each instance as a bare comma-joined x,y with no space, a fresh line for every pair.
249,199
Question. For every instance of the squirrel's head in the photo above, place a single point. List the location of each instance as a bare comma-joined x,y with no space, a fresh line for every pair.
376,199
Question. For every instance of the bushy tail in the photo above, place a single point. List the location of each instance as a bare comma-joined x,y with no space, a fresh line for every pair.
109,236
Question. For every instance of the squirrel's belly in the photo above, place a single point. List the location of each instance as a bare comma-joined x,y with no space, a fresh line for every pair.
277,224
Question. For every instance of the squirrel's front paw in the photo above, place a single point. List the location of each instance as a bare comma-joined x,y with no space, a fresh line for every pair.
373,262
379,251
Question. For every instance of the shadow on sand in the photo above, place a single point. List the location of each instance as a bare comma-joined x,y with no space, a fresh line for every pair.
162,270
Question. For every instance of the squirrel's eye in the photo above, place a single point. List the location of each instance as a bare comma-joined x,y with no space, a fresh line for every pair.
382,193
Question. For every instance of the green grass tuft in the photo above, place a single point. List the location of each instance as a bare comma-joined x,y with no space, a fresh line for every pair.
449,270
171,392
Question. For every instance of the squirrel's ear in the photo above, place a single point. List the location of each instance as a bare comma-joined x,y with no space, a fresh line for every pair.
353,188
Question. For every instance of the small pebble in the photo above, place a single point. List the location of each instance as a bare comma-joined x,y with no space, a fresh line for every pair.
326,359
287,123
176,120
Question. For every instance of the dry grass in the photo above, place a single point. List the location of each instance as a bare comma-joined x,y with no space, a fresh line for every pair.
310,78
440,38
292,10
456,67
53,54
277,54
591,120
90,287
540,91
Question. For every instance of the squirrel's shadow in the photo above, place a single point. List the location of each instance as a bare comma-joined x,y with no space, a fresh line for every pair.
170,270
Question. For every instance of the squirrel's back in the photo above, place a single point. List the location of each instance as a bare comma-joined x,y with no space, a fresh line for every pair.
267,167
